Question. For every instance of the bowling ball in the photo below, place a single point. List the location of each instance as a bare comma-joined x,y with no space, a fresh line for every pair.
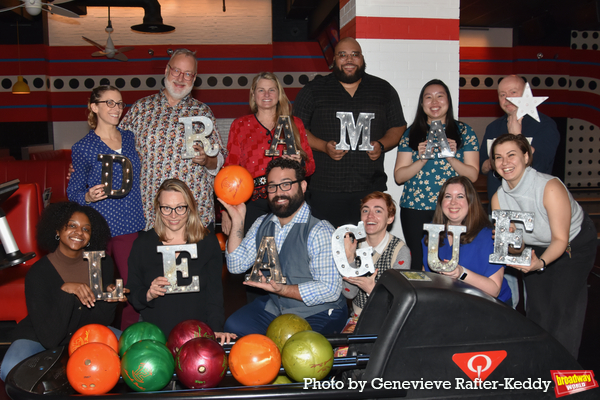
234,184
222,238
281,380
140,331
283,327
254,360
307,354
93,333
201,363
93,368
147,366
187,330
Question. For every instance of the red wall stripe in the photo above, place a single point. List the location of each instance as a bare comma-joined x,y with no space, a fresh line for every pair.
407,28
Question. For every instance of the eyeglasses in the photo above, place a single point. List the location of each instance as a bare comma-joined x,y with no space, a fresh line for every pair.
342,55
179,210
188,76
284,187
112,104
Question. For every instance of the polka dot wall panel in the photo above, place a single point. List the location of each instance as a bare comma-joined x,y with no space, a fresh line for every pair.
582,169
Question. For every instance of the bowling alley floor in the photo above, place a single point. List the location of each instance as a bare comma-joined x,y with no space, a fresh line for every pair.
589,354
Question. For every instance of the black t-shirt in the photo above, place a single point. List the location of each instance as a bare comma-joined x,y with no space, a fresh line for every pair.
317,105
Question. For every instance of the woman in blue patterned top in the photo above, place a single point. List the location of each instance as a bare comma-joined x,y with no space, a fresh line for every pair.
423,179
125,215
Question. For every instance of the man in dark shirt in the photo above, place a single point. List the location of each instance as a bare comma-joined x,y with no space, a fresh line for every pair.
543,135
351,119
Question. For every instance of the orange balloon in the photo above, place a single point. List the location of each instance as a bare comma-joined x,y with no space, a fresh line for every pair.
94,369
222,238
234,184
93,333
254,360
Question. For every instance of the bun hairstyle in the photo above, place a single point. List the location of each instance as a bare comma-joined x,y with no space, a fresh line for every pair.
94,99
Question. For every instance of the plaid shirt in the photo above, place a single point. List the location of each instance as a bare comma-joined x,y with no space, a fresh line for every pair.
159,139
326,285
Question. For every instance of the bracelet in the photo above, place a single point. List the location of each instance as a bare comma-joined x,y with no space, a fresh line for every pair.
382,147
544,267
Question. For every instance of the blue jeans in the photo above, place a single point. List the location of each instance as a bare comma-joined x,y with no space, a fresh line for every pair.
21,349
252,318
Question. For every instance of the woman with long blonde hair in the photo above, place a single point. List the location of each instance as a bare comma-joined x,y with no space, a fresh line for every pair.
251,135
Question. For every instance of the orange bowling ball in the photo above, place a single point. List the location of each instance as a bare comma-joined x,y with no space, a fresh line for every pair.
93,333
254,360
222,238
234,185
93,369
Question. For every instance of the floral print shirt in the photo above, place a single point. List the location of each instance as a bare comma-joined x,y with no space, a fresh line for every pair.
421,191
159,139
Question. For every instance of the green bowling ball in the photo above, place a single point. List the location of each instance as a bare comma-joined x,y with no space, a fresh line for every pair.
284,327
140,331
147,366
307,354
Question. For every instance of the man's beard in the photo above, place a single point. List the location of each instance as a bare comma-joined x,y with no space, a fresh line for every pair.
294,203
341,76
172,91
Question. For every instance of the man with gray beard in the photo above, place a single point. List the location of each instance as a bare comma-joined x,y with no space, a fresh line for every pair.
359,112
160,138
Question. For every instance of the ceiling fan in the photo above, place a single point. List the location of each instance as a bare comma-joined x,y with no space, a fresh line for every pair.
35,7
109,50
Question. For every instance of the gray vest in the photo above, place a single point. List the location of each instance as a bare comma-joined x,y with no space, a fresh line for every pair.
294,261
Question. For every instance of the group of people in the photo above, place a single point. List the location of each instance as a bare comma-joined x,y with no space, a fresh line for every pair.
171,203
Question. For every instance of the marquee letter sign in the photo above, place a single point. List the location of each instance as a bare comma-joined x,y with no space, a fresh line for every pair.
95,266
354,130
433,258
171,267
436,138
267,247
504,237
287,141
339,251
211,150
107,175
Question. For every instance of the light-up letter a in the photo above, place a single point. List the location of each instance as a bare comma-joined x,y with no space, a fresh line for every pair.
354,131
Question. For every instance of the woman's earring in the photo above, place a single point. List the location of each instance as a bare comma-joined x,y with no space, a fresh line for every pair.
57,237
88,245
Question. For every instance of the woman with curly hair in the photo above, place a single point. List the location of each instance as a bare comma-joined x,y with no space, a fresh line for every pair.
125,215
57,293
177,223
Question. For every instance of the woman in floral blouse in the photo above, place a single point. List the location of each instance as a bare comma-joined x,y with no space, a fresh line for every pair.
423,179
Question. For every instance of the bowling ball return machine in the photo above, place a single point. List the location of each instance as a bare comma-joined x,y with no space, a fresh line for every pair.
416,327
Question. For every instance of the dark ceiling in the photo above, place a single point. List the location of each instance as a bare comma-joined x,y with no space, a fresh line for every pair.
535,22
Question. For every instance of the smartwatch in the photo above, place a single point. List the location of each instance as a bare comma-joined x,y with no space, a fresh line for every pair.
463,275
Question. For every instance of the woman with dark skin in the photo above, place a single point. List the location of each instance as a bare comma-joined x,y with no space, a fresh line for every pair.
59,299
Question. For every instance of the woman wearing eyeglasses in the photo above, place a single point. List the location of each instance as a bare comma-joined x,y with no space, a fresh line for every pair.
125,215
251,135
177,223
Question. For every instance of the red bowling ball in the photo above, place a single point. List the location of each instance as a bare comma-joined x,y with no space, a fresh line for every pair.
185,331
201,363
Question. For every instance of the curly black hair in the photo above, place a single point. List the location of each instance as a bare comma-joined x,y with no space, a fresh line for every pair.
56,216
287,163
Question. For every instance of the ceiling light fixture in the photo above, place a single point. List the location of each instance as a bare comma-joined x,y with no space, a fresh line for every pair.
20,87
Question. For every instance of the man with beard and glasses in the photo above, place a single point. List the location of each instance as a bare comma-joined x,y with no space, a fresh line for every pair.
160,141
314,286
371,107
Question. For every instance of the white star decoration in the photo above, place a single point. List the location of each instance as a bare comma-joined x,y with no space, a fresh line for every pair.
527,104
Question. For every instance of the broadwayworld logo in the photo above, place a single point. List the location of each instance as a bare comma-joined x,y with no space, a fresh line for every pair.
569,382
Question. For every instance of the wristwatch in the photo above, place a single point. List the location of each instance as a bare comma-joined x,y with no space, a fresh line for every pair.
381,144
463,275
